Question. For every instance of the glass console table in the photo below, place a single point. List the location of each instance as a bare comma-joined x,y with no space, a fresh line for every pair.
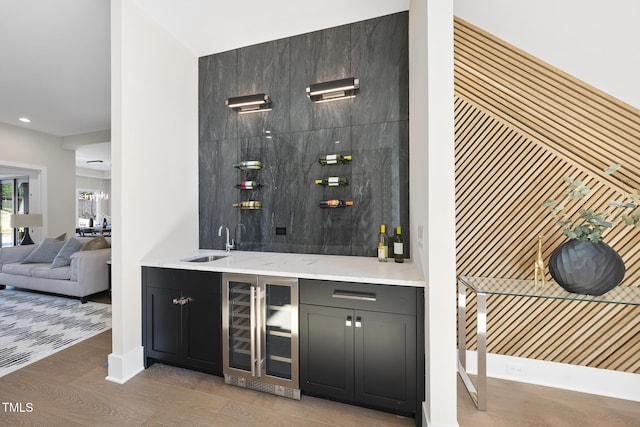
483,286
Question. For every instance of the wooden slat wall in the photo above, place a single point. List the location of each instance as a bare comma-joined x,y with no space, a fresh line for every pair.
521,126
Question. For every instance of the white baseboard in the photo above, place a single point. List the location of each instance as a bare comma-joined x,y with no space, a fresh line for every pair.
124,367
427,423
603,382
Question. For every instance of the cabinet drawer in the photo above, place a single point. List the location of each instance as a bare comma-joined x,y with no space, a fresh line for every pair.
359,296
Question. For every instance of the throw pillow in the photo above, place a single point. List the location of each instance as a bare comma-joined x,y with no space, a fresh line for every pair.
61,237
63,257
45,252
96,243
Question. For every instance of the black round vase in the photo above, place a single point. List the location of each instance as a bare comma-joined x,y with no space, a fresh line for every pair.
587,268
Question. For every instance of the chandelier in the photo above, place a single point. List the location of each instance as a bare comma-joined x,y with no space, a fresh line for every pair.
89,195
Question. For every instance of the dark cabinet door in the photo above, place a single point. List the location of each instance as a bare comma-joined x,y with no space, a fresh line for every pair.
385,360
202,322
326,351
182,316
359,344
163,324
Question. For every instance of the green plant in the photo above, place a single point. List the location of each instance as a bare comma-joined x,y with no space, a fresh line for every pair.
592,224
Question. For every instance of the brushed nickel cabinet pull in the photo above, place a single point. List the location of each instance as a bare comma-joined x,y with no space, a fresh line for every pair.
359,296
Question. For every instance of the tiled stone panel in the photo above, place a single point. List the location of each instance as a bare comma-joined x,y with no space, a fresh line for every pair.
380,182
319,57
372,127
264,68
216,180
379,52
217,82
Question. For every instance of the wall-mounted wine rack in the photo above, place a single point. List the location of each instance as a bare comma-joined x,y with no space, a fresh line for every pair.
334,181
248,185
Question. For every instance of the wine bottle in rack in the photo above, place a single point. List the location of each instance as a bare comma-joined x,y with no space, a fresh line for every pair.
248,165
248,185
248,204
336,203
333,181
334,159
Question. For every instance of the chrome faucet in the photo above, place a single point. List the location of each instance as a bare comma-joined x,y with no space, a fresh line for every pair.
228,245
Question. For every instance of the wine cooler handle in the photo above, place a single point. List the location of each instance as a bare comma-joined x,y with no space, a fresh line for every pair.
259,331
253,330
358,322
348,321
360,296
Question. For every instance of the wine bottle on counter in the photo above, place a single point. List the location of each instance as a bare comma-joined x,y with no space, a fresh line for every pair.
334,159
383,244
248,185
333,181
336,203
248,165
248,204
398,246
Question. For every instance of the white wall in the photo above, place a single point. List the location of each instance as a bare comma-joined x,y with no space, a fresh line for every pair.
432,196
54,190
155,166
592,40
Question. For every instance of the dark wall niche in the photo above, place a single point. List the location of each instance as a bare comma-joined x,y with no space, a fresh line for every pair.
373,128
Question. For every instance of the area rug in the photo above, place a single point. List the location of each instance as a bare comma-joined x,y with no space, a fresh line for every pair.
34,326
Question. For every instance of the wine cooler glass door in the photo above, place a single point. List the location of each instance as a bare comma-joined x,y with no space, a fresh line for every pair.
242,325
280,330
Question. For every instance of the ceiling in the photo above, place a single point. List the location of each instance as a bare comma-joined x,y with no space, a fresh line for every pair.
94,156
207,27
55,55
55,66
55,69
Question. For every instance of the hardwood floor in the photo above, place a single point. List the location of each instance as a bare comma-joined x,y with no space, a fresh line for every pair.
515,404
69,389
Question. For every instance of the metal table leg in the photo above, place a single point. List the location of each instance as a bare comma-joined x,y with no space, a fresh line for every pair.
482,350
478,396
462,325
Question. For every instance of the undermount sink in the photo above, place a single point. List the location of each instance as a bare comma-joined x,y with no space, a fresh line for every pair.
204,258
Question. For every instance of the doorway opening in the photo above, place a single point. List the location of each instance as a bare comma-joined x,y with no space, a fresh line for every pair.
15,200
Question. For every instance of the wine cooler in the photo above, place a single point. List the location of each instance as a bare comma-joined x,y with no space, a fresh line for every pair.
260,333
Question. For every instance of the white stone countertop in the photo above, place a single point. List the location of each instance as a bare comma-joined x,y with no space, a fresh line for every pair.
303,266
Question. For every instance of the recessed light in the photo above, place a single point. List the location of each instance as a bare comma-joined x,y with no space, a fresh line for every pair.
25,119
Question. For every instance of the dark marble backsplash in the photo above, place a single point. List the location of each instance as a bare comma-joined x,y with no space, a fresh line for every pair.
373,128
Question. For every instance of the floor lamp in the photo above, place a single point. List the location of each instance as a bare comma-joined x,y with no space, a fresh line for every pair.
25,221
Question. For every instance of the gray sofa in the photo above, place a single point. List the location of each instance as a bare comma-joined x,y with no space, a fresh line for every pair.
86,275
